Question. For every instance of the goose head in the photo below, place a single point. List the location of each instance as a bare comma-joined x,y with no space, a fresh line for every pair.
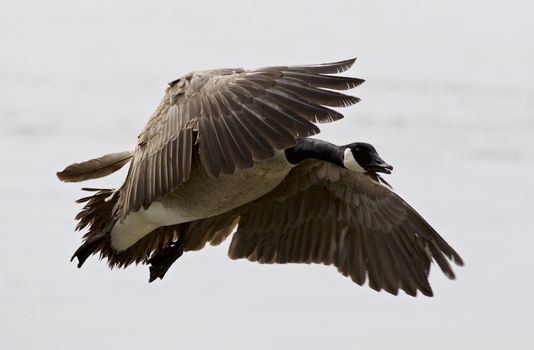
362,157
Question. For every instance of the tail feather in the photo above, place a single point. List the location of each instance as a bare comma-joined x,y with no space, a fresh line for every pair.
95,168
99,215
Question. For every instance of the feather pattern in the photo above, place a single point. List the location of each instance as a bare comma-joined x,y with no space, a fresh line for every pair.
98,212
325,214
95,168
231,117
320,213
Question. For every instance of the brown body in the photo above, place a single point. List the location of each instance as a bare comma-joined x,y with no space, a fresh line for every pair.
200,197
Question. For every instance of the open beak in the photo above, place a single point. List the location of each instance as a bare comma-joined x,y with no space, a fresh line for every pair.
379,166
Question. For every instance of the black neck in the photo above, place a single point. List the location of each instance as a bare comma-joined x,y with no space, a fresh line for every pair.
315,149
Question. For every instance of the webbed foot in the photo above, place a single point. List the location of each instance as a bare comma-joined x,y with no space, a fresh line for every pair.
89,247
162,261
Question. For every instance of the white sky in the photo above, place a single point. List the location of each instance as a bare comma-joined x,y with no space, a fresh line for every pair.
449,101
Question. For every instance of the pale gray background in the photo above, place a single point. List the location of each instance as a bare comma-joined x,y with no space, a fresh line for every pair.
448,101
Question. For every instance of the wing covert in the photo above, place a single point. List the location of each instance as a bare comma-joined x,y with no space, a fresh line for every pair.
325,214
234,117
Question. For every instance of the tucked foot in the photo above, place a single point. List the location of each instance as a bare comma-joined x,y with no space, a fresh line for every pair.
89,247
162,261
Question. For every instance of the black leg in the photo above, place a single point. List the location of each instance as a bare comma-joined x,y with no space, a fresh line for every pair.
161,261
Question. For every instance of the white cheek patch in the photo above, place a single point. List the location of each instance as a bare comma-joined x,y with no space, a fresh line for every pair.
350,163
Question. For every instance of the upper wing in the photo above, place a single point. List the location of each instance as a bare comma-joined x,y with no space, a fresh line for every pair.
235,116
325,214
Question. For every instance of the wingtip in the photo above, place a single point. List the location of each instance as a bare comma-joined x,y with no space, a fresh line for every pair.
349,62
455,258
450,275
346,61
344,65
429,294
458,261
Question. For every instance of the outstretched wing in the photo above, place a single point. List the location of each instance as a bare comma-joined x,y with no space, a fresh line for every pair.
325,214
235,116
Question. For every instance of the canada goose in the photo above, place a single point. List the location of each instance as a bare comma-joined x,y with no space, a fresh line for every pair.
230,146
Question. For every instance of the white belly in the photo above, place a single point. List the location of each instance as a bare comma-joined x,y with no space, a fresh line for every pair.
201,197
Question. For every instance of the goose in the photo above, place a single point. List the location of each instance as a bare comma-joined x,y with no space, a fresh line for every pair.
231,150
